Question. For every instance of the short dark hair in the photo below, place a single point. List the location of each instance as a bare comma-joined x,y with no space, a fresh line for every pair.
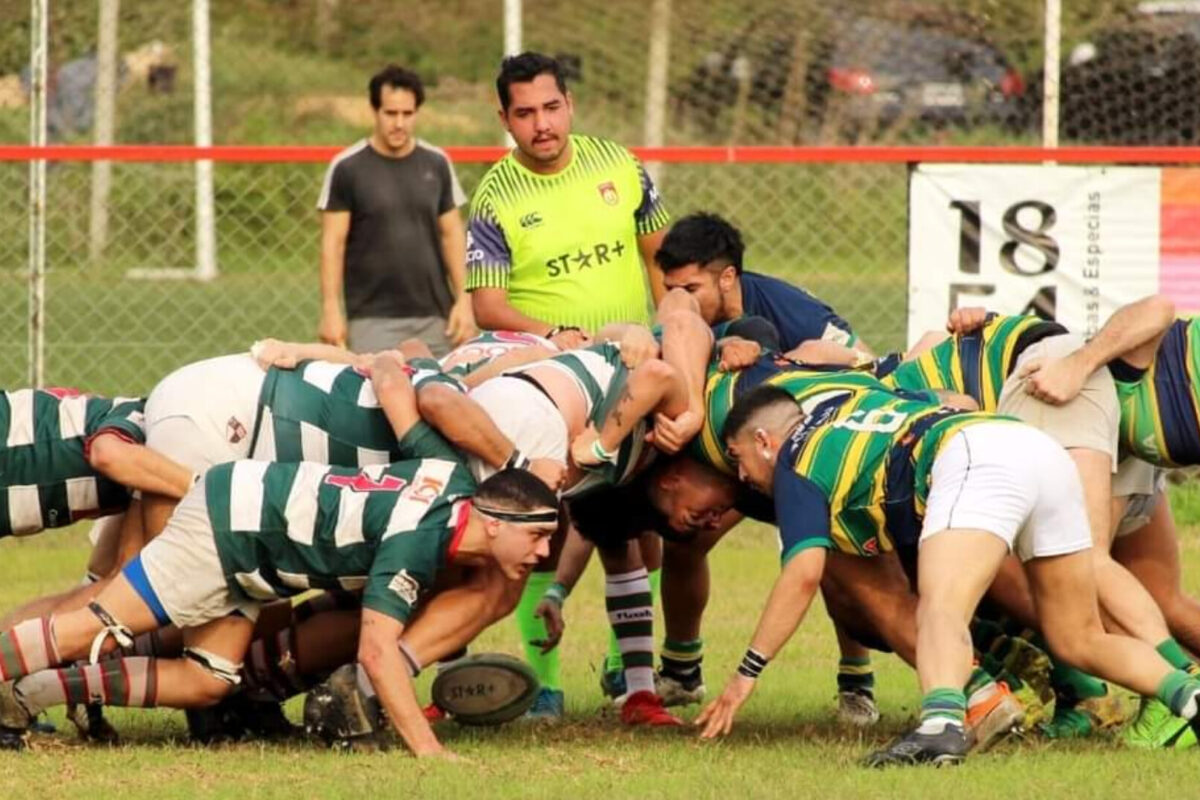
396,77
523,68
702,238
754,401
516,490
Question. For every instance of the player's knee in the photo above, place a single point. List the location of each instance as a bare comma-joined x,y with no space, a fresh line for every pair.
673,302
213,676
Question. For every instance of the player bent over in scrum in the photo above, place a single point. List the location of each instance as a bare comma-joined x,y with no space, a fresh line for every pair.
253,531
967,487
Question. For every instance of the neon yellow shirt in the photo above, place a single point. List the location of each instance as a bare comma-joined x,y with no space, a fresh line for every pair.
564,246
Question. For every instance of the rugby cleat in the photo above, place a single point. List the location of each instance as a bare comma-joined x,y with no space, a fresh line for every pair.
676,689
612,683
14,719
944,749
1086,717
337,712
547,707
1156,728
992,715
857,708
91,725
646,708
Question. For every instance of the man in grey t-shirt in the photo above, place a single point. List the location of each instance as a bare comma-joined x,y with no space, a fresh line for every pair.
392,241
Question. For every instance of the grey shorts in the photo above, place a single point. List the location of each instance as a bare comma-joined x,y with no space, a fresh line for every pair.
372,334
1089,421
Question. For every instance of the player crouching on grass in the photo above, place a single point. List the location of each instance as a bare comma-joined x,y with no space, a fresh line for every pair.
253,532
860,471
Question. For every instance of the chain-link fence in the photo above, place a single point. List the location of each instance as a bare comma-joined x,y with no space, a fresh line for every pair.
792,72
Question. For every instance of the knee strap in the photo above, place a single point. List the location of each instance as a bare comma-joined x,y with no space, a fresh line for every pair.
220,668
120,633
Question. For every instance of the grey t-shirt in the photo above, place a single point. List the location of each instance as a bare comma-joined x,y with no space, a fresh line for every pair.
394,264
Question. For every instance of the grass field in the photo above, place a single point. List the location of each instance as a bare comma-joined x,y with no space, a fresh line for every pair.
786,745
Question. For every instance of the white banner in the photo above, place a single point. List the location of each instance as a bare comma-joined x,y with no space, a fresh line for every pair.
1072,243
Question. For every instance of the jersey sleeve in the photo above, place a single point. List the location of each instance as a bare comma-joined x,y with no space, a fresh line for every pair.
405,566
489,259
427,371
651,214
126,418
422,441
336,194
452,195
802,513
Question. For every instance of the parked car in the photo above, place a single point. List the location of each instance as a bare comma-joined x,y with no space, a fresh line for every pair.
861,72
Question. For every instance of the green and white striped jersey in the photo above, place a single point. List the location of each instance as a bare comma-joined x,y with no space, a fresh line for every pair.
321,412
600,376
45,478
281,529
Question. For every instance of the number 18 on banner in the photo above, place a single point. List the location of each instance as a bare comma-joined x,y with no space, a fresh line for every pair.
1067,243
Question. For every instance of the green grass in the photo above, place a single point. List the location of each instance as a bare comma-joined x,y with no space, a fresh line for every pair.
785,745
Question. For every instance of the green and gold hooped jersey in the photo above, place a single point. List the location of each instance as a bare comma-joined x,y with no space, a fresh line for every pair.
564,246
854,476
804,383
974,364
1160,406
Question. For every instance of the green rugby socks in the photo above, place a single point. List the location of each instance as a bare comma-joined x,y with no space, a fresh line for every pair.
545,665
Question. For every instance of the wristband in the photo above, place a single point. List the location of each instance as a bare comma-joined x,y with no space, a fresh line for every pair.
557,329
517,460
753,663
556,593
599,452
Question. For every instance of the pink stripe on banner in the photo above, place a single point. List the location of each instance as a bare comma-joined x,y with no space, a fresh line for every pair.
1179,279
1179,230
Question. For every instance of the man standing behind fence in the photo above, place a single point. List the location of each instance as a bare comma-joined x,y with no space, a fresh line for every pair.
560,230
391,235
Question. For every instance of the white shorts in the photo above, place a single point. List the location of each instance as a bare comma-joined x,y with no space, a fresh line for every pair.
184,570
203,414
1013,481
523,414
1142,485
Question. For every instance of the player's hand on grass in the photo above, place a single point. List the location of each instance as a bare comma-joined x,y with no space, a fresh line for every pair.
550,612
460,324
717,716
670,435
637,345
734,352
552,472
967,320
1054,380
332,329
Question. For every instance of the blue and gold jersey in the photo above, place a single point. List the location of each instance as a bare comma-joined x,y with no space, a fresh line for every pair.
854,475
1160,420
976,363
803,382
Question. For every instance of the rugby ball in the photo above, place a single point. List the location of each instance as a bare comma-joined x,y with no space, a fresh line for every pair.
485,689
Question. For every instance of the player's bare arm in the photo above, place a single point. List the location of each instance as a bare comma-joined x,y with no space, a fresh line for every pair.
137,466
510,360
1132,333
576,553
494,313
286,355
335,229
395,393
379,654
654,387
788,603
452,237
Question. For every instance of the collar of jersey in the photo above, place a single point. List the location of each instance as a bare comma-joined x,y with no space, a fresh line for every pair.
460,528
